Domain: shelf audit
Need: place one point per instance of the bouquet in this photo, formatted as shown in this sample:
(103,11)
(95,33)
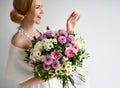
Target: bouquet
(57,54)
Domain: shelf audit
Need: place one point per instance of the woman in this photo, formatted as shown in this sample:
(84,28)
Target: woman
(27,13)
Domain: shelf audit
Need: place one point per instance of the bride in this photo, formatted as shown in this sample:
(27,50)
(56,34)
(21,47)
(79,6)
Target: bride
(26,13)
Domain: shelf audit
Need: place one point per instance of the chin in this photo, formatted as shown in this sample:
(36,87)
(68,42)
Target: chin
(38,22)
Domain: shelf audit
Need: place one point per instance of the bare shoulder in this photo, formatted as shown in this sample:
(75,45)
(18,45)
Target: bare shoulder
(18,40)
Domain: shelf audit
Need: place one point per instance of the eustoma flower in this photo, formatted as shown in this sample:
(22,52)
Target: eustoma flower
(62,32)
(71,38)
(56,64)
(46,67)
(62,39)
(48,60)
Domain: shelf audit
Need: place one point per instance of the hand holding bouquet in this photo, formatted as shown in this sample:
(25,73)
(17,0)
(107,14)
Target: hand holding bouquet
(56,54)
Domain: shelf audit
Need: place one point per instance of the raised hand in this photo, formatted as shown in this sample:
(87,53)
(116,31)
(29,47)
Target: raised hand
(72,21)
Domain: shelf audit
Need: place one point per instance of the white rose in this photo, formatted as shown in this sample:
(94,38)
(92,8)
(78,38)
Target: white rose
(38,46)
(79,43)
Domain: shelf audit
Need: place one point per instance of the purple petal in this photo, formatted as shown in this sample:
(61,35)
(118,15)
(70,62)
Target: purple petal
(46,67)
(62,39)
(56,64)
(48,60)
(63,32)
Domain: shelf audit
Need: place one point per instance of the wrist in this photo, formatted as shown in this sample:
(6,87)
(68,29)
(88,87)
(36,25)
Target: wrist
(71,32)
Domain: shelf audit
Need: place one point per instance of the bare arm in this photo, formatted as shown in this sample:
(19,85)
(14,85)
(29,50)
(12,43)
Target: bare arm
(19,41)
(72,21)
(32,81)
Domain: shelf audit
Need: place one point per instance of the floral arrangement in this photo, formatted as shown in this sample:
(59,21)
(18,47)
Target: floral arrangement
(57,54)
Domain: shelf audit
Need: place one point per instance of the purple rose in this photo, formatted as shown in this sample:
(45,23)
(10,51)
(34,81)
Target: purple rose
(56,64)
(62,32)
(48,60)
(62,39)
(46,67)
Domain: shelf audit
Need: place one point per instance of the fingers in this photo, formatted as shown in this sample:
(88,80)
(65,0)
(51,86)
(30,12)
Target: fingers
(74,16)
(78,18)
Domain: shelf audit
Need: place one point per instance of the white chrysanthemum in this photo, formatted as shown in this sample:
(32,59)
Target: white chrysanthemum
(68,67)
(54,41)
(48,46)
(50,40)
(47,40)
(37,54)
(40,58)
(57,71)
(70,63)
(68,72)
(38,46)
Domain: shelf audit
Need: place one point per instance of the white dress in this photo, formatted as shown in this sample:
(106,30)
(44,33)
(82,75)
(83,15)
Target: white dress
(19,71)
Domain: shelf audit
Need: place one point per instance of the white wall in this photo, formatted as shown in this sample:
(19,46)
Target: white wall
(99,26)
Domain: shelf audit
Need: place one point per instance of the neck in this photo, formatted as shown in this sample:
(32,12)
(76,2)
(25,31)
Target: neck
(27,26)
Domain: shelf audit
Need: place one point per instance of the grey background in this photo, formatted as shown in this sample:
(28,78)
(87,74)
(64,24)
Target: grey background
(99,26)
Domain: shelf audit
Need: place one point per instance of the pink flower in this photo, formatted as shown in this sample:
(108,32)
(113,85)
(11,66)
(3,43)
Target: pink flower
(56,64)
(48,60)
(68,45)
(31,54)
(32,57)
(76,48)
(70,52)
(30,62)
(46,67)
(70,38)
(56,55)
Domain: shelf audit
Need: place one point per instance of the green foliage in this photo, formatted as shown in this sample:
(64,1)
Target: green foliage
(27,55)
(42,74)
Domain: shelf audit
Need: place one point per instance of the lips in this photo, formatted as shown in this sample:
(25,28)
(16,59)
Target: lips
(39,16)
